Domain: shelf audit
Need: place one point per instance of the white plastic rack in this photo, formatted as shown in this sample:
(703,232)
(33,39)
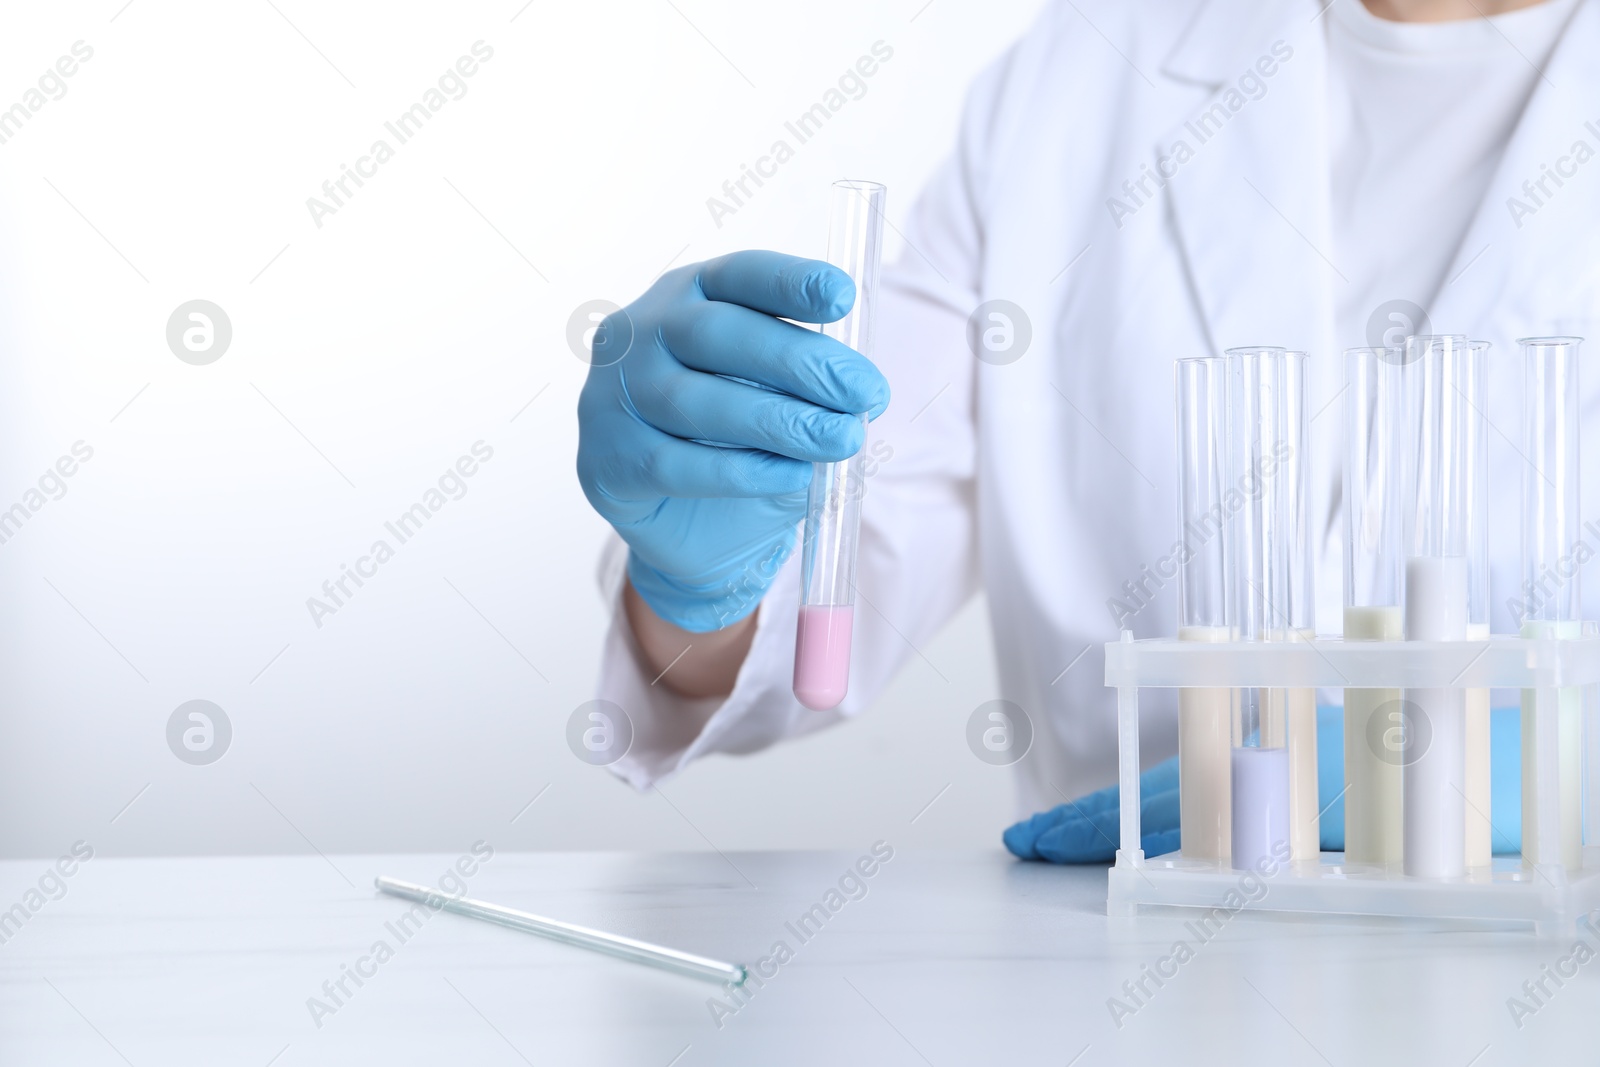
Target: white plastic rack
(1549,896)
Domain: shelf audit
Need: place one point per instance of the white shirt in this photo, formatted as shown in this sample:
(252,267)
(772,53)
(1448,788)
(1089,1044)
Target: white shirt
(1049,481)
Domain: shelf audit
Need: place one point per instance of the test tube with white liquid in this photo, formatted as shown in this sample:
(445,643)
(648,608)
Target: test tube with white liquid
(1433,780)
(1374,470)
(1270,561)
(833,505)
(1205,716)
(1551,815)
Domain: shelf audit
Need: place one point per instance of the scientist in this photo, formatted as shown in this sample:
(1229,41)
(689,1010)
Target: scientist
(1132,183)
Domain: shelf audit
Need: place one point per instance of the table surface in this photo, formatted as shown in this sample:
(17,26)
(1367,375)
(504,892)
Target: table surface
(948,958)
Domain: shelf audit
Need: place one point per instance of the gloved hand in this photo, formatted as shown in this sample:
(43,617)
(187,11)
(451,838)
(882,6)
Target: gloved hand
(1087,830)
(701,417)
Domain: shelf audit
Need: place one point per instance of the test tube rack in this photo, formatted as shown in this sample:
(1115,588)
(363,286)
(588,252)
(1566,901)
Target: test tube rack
(1550,897)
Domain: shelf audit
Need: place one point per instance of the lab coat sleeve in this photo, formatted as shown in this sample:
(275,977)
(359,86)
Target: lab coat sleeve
(918,561)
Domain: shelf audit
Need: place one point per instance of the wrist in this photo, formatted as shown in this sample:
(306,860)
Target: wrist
(693,664)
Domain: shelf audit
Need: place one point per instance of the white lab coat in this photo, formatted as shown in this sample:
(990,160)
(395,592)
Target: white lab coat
(1049,481)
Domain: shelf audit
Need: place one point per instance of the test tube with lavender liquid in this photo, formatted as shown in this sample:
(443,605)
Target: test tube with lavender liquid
(833,506)
(1271,574)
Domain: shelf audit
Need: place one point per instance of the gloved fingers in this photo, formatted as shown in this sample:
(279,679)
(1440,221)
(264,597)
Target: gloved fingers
(1160,778)
(1088,830)
(706,407)
(806,290)
(1160,843)
(1158,812)
(665,466)
(1075,838)
(1079,831)
(1021,837)
(1089,804)
(729,339)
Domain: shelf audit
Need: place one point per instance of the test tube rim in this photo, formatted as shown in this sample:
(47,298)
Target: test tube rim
(1423,343)
(860,185)
(1550,341)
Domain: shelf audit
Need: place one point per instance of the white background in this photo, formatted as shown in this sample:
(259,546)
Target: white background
(368,354)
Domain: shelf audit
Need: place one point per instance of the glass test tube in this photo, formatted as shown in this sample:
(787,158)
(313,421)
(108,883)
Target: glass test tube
(1552,604)
(1205,716)
(1374,469)
(1589,761)
(1479,844)
(1266,445)
(1300,710)
(833,504)
(1433,779)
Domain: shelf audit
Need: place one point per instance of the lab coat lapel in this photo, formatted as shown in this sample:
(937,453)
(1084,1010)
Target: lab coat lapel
(1524,266)
(1250,206)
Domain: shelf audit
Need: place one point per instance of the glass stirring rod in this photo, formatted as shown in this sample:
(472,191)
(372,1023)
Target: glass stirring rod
(627,948)
(833,504)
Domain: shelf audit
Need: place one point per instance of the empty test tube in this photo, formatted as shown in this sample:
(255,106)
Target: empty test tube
(627,948)
(1374,564)
(1204,715)
(833,504)
(1436,600)
(1550,597)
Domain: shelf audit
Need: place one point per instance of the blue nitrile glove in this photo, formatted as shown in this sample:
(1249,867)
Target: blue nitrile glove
(1505,781)
(1087,830)
(701,417)
(1330,777)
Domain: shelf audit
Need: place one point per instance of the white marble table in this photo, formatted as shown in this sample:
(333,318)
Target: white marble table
(949,958)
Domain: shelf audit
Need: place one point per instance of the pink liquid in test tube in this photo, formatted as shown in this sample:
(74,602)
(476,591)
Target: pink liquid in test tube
(822,655)
(833,504)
